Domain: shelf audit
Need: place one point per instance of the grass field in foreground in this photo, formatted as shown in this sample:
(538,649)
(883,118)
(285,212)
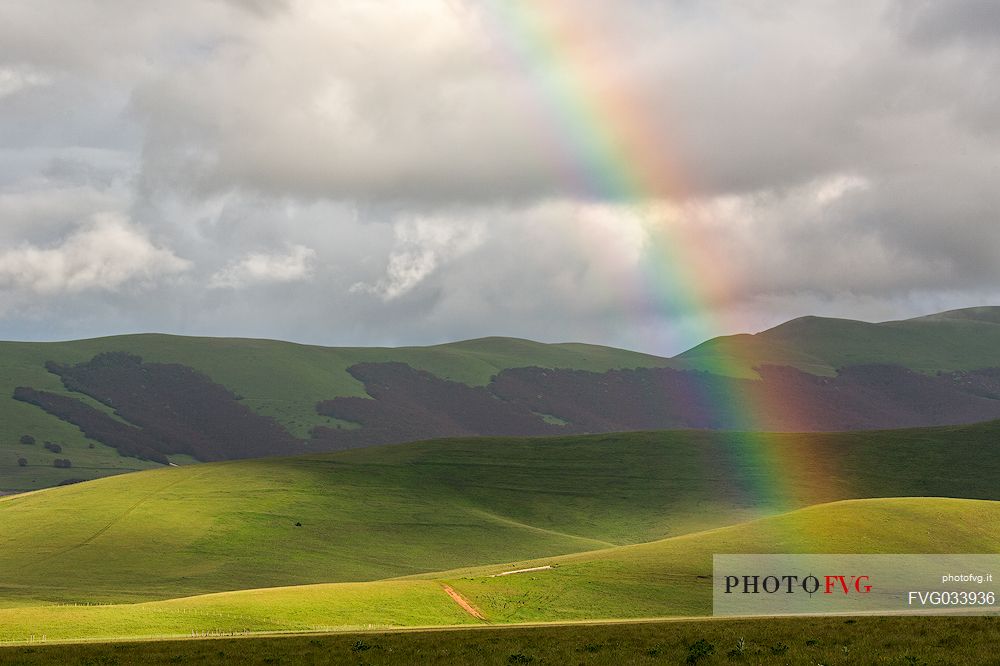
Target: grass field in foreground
(832,641)
(665,578)
(402,510)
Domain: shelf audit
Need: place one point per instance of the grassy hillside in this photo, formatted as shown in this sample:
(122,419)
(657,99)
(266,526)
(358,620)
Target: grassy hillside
(673,576)
(669,577)
(955,340)
(278,379)
(302,608)
(392,511)
(286,381)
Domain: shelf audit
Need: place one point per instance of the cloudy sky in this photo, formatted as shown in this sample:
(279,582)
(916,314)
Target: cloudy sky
(637,173)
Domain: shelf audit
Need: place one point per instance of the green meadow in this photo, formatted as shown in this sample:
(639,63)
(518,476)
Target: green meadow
(617,527)
(659,579)
(673,576)
(304,608)
(376,513)
(836,641)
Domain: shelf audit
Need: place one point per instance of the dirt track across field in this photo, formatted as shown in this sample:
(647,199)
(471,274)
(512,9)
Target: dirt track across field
(463,602)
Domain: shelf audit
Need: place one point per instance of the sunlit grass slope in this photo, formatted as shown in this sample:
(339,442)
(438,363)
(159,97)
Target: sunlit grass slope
(303,608)
(401,510)
(673,576)
(664,578)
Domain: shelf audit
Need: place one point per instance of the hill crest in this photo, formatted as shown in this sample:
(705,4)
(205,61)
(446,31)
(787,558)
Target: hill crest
(838,374)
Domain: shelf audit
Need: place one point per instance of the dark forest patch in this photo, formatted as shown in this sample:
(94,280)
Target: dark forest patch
(128,440)
(408,404)
(170,409)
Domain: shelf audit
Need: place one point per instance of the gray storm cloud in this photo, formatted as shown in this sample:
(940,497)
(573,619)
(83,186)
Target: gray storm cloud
(402,172)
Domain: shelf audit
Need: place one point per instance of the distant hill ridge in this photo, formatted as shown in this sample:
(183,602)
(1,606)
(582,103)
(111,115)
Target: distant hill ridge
(842,374)
(965,339)
(990,314)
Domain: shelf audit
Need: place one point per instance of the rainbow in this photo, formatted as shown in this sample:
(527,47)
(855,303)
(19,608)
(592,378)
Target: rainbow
(611,150)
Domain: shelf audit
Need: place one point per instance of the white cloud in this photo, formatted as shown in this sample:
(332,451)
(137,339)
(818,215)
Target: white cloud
(16,79)
(260,268)
(834,187)
(106,254)
(422,245)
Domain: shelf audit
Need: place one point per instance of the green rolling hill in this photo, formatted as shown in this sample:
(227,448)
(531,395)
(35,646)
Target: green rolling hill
(376,513)
(286,381)
(278,379)
(673,576)
(662,578)
(955,340)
